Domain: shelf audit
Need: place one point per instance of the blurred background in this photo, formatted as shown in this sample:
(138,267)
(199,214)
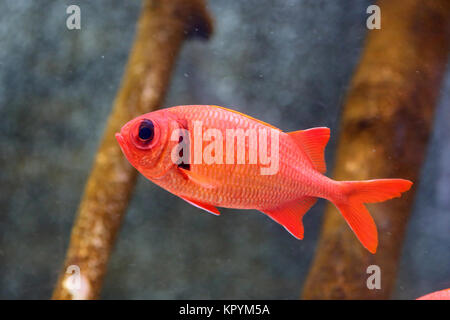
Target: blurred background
(288,63)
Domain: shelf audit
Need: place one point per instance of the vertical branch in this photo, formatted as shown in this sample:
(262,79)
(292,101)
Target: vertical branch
(162,28)
(385,127)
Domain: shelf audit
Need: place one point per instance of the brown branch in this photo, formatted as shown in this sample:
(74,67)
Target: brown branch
(162,28)
(385,127)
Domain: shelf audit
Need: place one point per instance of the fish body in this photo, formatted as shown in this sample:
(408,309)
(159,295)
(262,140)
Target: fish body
(437,295)
(216,157)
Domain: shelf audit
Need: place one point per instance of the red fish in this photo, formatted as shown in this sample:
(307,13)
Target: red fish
(437,295)
(215,157)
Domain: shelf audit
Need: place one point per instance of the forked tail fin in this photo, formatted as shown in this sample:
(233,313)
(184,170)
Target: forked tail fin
(351,205)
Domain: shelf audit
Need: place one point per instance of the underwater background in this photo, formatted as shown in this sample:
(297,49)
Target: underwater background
(288,63)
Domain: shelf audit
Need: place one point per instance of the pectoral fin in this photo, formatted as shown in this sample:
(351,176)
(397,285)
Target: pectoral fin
(198,179)
(207,207)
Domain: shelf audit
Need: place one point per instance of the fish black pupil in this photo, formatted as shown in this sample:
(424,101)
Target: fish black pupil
(145,133)
(146,130)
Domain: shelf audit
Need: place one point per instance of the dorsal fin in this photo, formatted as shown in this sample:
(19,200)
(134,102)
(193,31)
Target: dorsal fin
(313,142)
(247,116)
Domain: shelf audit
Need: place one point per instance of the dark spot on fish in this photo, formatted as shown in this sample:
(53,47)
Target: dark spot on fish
(185,166)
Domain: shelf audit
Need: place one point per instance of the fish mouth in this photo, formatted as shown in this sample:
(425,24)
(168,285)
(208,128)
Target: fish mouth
(121,140)
(124,147)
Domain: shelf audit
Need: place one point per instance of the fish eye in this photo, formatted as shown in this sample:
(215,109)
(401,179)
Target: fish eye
(146,130)
(145,133)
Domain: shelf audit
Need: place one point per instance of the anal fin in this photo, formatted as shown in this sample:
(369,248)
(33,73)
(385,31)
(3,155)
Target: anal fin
(290,215)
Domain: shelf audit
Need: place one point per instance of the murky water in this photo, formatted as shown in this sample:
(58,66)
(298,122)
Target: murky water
(288,64)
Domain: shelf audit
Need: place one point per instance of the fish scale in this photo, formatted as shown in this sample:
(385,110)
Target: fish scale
(285,194)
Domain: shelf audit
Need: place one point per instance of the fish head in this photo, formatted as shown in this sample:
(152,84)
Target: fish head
(146,143)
